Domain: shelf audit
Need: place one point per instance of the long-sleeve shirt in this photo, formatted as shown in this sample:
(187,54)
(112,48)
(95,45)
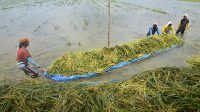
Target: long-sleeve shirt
(152,31)
(184,23)
(166,29)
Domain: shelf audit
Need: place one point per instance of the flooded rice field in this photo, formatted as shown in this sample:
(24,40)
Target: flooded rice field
(60,26)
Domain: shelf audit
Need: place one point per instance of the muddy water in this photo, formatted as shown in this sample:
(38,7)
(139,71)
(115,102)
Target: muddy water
(176,57)
(62,26)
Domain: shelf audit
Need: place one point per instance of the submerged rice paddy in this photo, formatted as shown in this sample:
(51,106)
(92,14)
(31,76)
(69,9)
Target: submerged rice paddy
(80,25)
(74,26)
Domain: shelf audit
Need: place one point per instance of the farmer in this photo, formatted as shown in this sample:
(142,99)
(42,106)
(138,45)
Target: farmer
(168,28)
(183,25)
(24,58)
(154,29)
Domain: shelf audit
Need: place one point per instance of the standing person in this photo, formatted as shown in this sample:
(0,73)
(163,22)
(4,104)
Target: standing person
(24,58)
(183,25)
(154,29)
(168,28)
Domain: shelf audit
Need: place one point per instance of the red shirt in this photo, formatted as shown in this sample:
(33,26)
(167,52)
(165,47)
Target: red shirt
(22,54)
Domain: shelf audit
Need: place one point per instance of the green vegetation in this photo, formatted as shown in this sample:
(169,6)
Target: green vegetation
(7,4)
(164,89)
(98,60)
(191,0)
(159,11)
(195,62)
(146,8)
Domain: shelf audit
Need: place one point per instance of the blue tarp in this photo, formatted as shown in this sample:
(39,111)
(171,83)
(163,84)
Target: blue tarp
(58,77)
(121,64)
(61,78)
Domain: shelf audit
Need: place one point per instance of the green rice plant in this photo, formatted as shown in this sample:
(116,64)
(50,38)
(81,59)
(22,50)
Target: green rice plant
(159,11)
(191,0)
(97,60)
(146,8)
(195,62)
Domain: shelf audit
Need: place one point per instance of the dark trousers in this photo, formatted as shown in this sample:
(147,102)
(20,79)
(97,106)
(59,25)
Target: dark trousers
(182,30)
(29,71)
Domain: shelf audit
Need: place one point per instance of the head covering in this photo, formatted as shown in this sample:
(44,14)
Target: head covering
(24,40)
(169,23)
(185,15)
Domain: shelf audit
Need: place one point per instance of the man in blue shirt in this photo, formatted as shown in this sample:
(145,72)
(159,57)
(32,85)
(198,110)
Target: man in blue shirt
(154,29)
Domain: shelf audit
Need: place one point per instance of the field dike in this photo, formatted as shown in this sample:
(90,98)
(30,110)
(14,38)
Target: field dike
(98,60)
(168,89)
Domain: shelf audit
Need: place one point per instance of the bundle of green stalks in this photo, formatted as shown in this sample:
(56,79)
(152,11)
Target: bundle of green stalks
(98,60)
(195,62)
(164,89)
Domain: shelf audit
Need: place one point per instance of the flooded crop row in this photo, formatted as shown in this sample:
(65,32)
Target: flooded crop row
(56,27)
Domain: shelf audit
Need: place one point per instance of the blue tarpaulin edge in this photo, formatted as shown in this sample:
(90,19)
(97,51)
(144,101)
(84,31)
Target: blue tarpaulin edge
(61,78)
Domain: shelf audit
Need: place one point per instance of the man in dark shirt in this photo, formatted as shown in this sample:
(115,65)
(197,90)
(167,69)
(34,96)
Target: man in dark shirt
(184,24)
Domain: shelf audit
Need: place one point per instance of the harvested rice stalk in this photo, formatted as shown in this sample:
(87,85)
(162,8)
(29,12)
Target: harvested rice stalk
(163,89)
(98,60)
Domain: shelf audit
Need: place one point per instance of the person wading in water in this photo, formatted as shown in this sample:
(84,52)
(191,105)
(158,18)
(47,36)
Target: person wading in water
(183,25)
(24,58)
(154,29)
(168,28)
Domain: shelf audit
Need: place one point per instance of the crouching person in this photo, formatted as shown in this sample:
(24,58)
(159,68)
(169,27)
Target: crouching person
(154,29)
(167,29)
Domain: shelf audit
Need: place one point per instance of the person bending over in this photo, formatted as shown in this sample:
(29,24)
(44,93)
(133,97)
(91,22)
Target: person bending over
(24,58)
(168,28)
(154,29)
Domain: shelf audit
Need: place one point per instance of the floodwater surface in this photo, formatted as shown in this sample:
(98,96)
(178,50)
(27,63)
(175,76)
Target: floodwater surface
(60,26)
